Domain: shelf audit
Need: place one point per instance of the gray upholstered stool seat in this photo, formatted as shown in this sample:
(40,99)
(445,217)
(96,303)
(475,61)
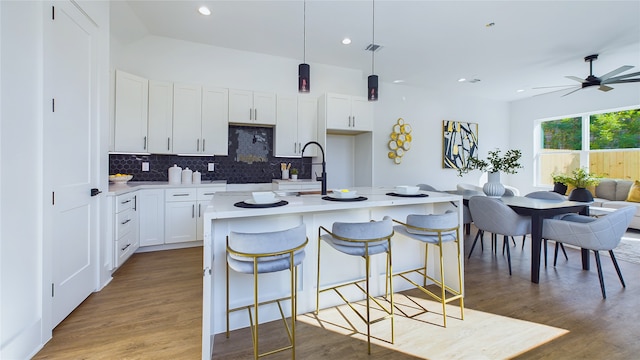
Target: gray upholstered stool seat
(258,253)
(361,239)
(435,229)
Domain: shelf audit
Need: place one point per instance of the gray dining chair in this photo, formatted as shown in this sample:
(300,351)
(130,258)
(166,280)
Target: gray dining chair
(549,195)
(595,234)
(492,215)
(467,220)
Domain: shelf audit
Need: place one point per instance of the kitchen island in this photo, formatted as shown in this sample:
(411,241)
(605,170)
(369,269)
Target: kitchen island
(222,217)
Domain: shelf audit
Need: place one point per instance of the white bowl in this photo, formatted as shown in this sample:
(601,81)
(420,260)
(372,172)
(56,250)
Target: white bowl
(263,197)
(120,179)
(407,190)
(345,194)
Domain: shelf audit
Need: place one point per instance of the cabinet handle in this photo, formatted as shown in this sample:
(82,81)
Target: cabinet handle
(255,112)
(198,145)
(349,121)
(199,210)
(126,201)
(124,222)
(168,143)
(145,143)
(180,194)
(193,211)
(209,193)
(135,203)
(250,114)
(202,145)
(354,121)
(125,248)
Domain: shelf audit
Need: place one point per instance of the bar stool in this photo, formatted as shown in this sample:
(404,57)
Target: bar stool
(434,229)
(362,239)
(258,253)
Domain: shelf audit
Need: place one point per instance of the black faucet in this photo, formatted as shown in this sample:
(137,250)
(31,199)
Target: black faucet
(323,177)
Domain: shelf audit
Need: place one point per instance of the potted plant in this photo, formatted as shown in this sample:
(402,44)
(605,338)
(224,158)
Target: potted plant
(560,182)
(493,165)
(581,179)
(294,174)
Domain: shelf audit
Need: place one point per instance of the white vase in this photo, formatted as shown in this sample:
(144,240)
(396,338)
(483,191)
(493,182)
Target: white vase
(493,188)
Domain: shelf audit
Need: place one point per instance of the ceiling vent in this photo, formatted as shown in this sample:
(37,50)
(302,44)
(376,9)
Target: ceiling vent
(373,47)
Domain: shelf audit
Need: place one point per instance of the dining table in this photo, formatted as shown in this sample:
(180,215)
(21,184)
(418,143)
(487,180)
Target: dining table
(538,210)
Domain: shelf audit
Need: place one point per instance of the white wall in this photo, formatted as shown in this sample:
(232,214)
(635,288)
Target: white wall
(524,113)
(21,25)
(425,111)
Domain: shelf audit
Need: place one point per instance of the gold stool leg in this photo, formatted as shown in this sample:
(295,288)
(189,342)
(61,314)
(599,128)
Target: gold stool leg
(391,288)
(255,302)
(227,271)
(366,257)
(460,278)
(294,278)
(442,286)
(318,277)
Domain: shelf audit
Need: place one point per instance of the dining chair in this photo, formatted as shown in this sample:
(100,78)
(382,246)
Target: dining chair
(595,234)
(268,252)
(361,239)
(549,195)
(492,215)
(437,230)
(467,220)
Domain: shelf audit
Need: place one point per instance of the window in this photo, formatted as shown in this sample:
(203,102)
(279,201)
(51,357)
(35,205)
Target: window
(607,144)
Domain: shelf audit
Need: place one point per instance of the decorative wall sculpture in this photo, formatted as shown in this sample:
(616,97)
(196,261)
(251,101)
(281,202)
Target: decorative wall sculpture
(460,142)
(400,141)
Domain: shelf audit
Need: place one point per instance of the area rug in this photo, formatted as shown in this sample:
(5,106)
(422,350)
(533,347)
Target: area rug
(628,250)
(420,334)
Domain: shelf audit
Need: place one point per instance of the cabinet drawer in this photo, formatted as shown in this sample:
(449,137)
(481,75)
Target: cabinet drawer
(126,201)
(172,195)
(125,222)
(125,247)
(207,193)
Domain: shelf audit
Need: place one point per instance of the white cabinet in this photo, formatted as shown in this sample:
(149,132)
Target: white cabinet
(160,122)
(187,115)
(215,121)
(184,208)
(125,227)
(130,120)
(252,107)
(345,112)
(296,124)
(150,204)
(180,215)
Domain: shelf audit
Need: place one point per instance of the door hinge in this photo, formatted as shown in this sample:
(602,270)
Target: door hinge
(53,13)
(207,270)
(53,198)
(52,289)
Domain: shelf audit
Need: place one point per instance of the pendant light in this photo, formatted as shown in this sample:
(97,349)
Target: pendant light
(372,80)
(303,69)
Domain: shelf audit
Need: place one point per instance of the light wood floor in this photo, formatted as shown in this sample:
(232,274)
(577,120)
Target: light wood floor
(152,310)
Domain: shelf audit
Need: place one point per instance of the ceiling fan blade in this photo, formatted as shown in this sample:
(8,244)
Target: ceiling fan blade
(576,79)
(610,80)
(555,86)
(615,72)
(624,81)
(605,88)
(571,92)
(555,91)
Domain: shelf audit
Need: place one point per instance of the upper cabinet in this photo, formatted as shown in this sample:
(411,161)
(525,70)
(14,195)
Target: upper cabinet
(296,123)
(187,118)
(215,121)
(346,113)
(131,100)
(160,117)
(252,107)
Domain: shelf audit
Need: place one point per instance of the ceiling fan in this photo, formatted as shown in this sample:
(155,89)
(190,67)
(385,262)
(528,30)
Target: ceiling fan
(601,82)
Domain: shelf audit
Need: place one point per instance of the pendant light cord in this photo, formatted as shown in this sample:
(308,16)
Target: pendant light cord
(373,32)
(304,32)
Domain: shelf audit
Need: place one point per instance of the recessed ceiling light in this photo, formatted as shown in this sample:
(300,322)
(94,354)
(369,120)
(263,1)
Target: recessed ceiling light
(462,80)
(491,24)
(520,90)
(346,41)
(204,10)
(398,81)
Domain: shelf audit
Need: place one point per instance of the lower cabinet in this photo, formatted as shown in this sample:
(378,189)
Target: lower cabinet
(125,227)
(151,216)
(180,215)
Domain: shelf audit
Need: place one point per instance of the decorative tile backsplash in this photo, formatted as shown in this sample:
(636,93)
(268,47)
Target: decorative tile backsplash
(250,160)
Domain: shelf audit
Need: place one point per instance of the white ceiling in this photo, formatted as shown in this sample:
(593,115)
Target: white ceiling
(428,44)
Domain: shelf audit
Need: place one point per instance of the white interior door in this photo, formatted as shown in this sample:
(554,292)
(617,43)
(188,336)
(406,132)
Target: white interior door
(69,148)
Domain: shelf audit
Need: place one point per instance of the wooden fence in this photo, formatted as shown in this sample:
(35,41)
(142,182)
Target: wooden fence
(618,164)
